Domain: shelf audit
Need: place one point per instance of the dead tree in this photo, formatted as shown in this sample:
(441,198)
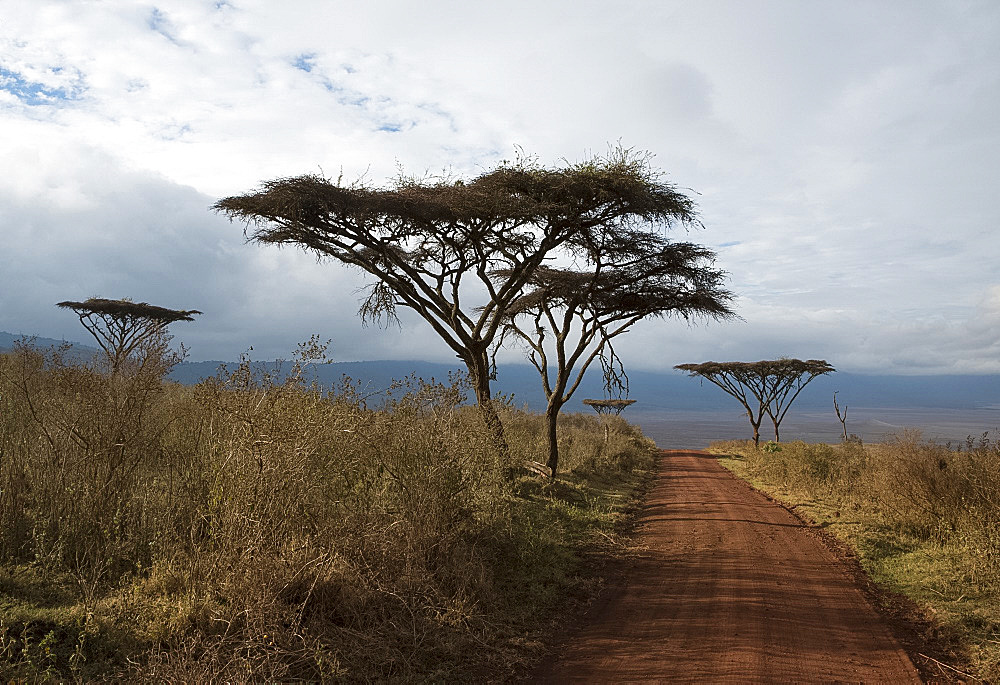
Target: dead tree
(763,388)
(127,330)
(435,245)
(569,317)
(842,418)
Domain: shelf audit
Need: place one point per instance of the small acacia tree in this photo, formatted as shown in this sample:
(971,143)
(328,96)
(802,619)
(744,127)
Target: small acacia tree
(125,329)
(766,387)
(435,245)
(569,317)
(606,408)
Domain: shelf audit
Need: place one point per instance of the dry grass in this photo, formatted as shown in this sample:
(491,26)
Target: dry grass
(924,518)
(257,528)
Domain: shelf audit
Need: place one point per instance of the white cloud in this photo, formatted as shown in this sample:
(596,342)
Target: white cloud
(844,156)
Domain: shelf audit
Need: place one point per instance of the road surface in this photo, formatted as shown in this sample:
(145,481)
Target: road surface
(728,587)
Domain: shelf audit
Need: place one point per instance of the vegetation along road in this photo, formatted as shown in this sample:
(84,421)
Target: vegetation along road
(728,586)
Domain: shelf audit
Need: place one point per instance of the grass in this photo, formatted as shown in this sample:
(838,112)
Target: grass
(923,519)
(257,527)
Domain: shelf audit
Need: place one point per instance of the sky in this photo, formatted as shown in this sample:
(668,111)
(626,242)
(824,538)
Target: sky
(844,157)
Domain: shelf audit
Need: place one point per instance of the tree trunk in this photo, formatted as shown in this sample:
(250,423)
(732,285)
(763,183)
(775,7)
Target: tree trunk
(552,437)
(479,375)
(776,438)
(756,427)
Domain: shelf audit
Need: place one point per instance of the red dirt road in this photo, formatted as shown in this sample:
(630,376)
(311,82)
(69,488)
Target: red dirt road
(729,587)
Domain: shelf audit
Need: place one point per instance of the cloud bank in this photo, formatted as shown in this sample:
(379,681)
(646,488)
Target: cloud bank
(844,158)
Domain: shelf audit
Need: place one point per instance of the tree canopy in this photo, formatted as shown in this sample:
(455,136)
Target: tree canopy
(766,387)
(609,406)
(435,245)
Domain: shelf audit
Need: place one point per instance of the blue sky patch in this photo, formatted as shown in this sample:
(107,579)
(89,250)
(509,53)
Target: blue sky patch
(159,23)
(306,61)
(34,93)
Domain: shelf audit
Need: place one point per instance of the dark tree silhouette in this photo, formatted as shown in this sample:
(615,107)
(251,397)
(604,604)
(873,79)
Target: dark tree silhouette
(434,245)
(606,408)
(763,388)
(787,378)
(124,328)
(569,317)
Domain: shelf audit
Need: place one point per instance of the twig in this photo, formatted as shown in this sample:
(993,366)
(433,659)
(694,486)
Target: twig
(610,539)
(941,663)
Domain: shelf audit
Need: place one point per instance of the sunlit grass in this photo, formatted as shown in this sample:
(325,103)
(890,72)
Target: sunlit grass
(258,528)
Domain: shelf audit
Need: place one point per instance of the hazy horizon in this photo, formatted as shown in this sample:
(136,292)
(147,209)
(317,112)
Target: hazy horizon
(696,429)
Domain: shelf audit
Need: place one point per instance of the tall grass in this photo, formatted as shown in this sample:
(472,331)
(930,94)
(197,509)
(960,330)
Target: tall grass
(258,527)
(925,518)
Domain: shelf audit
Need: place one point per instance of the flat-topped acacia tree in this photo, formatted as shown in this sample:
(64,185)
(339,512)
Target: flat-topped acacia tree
(569,317)
(124,328)
(434,245)
(605,408)
(766,387)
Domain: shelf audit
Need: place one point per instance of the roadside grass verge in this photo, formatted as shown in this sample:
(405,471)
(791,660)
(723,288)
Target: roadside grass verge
(924,520)
(259,528)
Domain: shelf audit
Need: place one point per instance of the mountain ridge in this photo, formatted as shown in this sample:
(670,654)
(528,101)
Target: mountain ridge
(655,391)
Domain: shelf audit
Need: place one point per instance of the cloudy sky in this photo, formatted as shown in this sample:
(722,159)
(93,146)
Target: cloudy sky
(844,156)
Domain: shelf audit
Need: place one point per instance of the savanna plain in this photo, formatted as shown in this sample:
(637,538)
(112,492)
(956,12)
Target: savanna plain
(256,526)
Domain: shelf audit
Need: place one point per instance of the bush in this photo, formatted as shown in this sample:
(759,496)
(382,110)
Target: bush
(258,527)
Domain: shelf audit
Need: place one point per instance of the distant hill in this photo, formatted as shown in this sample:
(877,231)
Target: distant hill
(7,341)
(78,351)
(655,391)
(672,391)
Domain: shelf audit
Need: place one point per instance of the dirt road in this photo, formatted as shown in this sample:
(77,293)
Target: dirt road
(729,588)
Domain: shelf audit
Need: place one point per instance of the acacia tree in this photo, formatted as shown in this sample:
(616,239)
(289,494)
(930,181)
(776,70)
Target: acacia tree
(569,317)
(787,378)
(434,245)
(766,387)
(605,408)
(124,328)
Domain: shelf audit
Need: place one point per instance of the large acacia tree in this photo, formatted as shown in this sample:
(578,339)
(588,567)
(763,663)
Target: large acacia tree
(766,387)
(434,245)
(569,317)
